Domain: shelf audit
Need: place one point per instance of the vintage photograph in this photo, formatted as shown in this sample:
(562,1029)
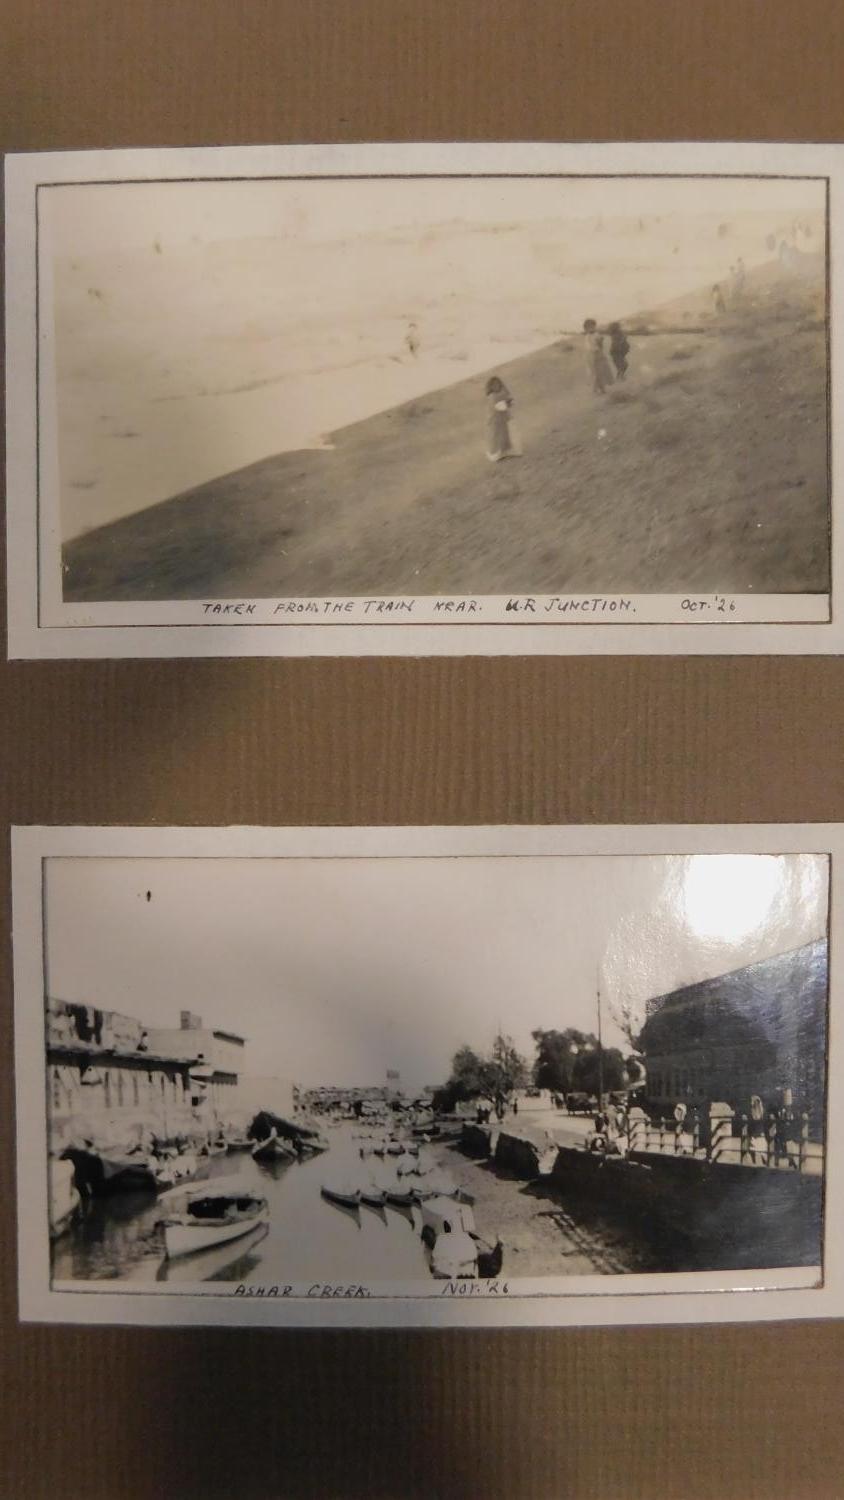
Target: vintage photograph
(440,387)
(548,398)
(383,1073)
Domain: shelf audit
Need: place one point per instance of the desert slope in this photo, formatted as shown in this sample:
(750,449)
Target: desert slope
(705,470)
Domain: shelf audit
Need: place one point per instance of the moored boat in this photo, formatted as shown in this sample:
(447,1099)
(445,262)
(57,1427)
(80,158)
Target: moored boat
(105,1170)
(274,1149)
(211,1213)
(400,1193)
(373,1194)
(454,1256)
(344,1193)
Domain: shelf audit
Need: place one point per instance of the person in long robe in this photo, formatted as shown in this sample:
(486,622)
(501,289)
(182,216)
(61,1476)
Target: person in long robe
(596,360)
(502,440)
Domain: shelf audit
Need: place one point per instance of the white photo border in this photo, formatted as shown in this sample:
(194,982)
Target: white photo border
(42,625)
(739,1296)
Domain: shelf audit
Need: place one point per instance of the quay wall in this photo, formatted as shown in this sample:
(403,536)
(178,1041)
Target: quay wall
(725,1213)
(519,1155)
(476,1140)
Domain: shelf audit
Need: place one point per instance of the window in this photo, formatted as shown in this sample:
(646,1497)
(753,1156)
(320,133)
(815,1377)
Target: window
(135,1090)
(119,1089)
(57,1090)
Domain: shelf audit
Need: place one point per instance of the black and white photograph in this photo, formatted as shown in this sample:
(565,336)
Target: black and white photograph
(391,400)
(413,1077)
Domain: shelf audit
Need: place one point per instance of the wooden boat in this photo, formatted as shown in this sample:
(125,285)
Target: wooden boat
(101,1171)
(239,1143)
(311,1145)
(207,1264)
(454,1256)
(274,1149)
(442,1215)
(211,1213)
(446,1224)
(178,1168)
(373,1195)
(401,1193)
(343,1193)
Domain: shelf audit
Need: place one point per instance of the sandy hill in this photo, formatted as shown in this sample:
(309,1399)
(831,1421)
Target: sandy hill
(707,470)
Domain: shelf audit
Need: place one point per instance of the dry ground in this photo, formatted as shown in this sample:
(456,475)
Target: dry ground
(541,1236)
(706,470)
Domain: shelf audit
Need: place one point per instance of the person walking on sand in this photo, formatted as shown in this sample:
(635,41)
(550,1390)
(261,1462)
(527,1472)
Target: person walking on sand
(719,307)
(619,349)
(411,340)
(501,438)
(596,360)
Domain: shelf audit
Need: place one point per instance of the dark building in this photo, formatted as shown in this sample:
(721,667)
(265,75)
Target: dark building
(758,1030)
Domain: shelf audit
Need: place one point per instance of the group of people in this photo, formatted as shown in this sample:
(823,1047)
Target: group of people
(597,364)
(503,439)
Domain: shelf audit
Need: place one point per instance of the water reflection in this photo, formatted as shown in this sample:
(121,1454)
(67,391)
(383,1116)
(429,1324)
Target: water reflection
(309,1237)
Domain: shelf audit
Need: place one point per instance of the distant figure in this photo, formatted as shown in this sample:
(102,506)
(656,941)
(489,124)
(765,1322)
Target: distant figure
(502,440)
(738,274)
(596,361)
(719,306)
(411,340)
(619,349)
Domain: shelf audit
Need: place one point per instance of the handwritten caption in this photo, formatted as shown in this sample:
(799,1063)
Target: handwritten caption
(420,610)
(328,1290)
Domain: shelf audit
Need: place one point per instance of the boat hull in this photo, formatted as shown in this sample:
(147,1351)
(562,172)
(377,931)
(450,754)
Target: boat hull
(185,1239)
(273,1150)
(347,1199)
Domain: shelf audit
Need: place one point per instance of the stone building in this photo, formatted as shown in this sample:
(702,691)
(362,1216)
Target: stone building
(756,1031)
(216,1059)
(106,1079)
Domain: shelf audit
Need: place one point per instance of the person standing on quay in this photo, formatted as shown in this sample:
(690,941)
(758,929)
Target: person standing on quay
(596,360)
(502,439)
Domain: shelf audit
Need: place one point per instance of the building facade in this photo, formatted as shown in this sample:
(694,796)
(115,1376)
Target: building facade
(216,1058)
(760,1030)
(106,1081)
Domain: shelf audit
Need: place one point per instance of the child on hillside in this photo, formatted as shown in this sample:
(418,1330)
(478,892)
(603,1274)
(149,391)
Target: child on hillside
(596,360)
(502,437)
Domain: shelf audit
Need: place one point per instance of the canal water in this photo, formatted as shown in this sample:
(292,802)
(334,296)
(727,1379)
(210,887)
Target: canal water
(309,1239)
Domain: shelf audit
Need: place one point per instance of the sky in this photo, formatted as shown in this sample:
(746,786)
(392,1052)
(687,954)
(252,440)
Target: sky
(337,969)
(97,218)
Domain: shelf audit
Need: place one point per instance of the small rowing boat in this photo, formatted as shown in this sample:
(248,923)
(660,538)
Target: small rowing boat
(274,1149)
(343,1193)
(210,1214)
(372,1194)
(401,1193)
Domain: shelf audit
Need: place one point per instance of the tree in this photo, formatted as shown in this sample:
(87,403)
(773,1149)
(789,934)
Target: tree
(556,1054)
(494,1077)
(467,1073)
(589,1066)
(509,1068)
